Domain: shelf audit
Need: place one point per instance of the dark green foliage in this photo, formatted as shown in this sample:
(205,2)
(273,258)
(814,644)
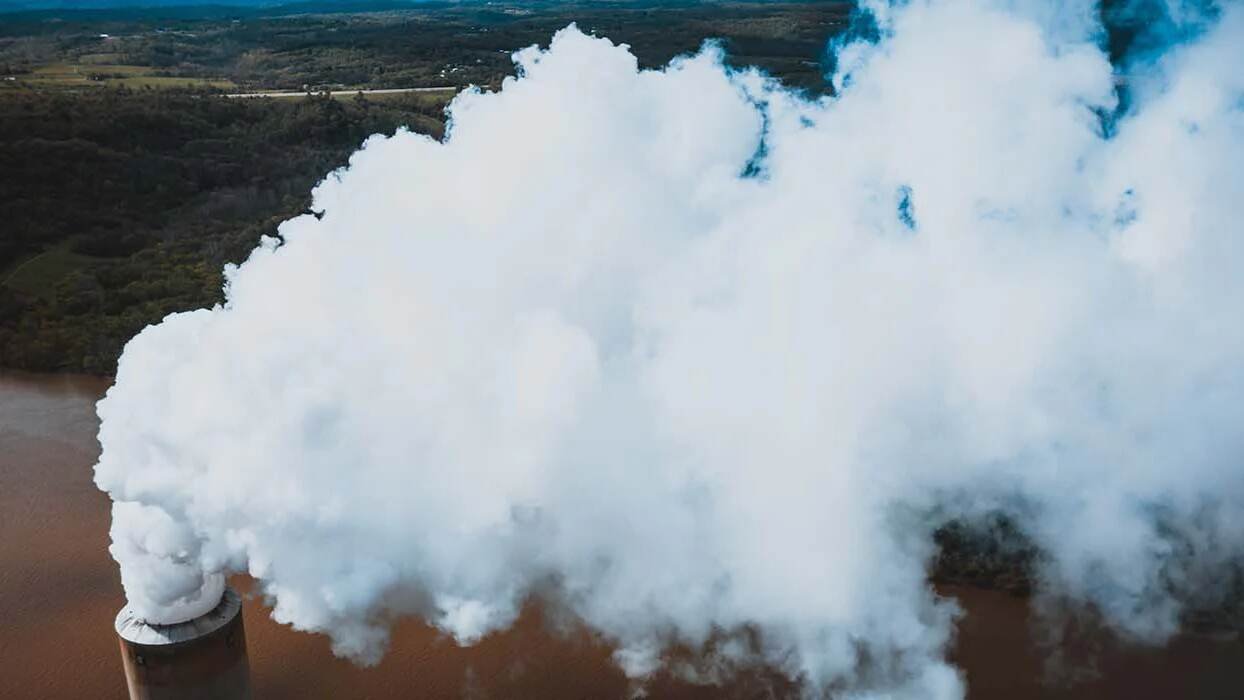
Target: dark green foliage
(119,206)
(134,201)
(419,44)
(991,552)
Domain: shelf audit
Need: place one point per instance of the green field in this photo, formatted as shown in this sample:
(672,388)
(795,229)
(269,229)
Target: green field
(38,275)
(91,74)
(159,81)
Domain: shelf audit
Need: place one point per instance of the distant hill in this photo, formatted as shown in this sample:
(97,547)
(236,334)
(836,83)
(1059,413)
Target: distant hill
(21,5)
(210,7)
(214,8)
(33,5)
(186,9)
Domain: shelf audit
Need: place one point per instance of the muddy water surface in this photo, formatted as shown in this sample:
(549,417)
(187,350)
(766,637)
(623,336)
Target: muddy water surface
(59,592)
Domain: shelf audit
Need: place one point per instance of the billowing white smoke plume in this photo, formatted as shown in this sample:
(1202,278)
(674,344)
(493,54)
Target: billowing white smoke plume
(684,352)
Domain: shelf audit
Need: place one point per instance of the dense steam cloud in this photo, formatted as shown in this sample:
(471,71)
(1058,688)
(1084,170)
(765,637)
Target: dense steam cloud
(682,352)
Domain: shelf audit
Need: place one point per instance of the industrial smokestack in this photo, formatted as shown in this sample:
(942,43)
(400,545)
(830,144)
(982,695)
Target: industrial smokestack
(199,659)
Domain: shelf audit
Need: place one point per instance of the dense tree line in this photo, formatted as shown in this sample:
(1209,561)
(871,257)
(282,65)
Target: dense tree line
(148,194)
(140,197)
(419,44)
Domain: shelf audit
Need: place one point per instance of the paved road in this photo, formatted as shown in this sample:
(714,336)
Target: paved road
(301,93)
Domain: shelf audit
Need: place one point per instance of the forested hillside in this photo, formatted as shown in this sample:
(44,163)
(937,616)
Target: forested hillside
(127,180)
(122,206)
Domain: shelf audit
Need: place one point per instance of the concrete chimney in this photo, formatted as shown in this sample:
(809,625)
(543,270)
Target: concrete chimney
(199,659)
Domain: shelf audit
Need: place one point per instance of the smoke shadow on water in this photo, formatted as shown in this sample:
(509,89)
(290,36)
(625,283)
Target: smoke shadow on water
(526,660)
(1002,647)
(523,661)
(59,591)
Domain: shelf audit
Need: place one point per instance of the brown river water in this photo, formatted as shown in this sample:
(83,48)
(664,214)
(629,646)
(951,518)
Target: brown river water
(59,592)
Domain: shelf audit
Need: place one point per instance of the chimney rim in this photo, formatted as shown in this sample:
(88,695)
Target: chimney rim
(136,630)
